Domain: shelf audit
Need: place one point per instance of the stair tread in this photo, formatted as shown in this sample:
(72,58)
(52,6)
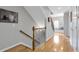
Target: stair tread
(19,48)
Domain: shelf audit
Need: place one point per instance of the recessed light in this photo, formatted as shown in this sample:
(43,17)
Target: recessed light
(59,8)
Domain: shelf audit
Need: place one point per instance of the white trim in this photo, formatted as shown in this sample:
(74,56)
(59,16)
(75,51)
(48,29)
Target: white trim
(26,45)
(14,46)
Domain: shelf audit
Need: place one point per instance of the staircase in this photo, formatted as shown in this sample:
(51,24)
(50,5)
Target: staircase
(49,46)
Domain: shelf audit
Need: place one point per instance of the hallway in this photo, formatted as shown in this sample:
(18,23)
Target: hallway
(63,44)
(39,28)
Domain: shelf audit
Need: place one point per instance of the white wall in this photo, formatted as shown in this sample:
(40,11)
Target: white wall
(37,14)
(66,23)
(9,32)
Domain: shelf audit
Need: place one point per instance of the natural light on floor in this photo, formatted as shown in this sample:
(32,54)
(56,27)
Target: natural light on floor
(56,39)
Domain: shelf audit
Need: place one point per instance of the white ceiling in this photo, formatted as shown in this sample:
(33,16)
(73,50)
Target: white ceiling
(61,9)
(40,13)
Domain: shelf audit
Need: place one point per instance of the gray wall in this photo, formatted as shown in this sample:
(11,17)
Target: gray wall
(49,31)
(9,32)
(37,14)
(66,23)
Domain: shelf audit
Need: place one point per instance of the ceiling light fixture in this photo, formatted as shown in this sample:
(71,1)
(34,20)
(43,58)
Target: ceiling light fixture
(59,8)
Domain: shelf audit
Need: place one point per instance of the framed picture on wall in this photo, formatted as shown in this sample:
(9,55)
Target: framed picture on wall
(7,16)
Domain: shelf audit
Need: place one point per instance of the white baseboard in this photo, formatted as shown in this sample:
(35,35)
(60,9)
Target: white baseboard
(14,46)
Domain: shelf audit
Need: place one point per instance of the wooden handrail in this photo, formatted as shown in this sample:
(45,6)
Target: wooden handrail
(33,41)
(28,36)
(40,28)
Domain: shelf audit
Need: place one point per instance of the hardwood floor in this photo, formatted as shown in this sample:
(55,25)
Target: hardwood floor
(49,46)
(62,46)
